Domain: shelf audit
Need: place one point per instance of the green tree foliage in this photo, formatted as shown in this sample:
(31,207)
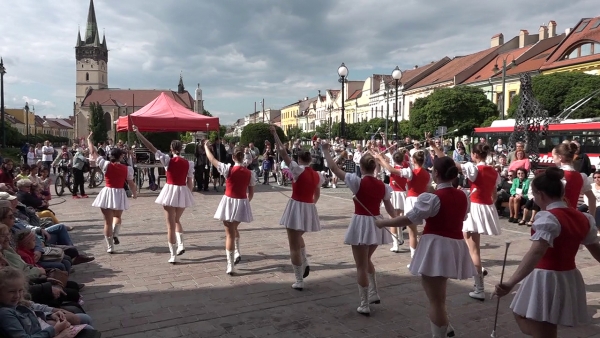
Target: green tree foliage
(558,91)
(97,123)
(257,133)
(207,113)
(294,132)
(462,108)
(190,148)
(212,136)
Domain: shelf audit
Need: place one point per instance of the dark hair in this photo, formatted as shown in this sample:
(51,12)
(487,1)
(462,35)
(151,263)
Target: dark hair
(566,150)
(115,155)
(550,182)
(367,162)
(597,172)
(25,167)
(305,156)
(481,150)
(176,146)
(419,157)
(238,153)
(399,156)
(523,170)
(446,168)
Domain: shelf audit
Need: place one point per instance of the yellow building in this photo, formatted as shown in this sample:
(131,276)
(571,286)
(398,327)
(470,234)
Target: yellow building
(27,119)
(289,116)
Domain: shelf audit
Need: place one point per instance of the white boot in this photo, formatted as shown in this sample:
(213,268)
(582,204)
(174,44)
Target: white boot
(305,265)
(230,262)
(363,309)
(109,244)
(173,250)
(450,331)
(299,285)
(180,247)
(479,292)
(373,295)
(394,247)
(438,331)
(116,230)
(412,254)
(236,254)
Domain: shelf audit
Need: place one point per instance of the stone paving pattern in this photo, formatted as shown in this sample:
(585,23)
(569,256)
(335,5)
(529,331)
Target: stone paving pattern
(136,293)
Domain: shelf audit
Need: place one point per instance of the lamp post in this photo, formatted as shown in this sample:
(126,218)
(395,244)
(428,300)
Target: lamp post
(396,75)
(2,72)
(262,104)
(343,73)
(26,108)
(504,68)
(329,109)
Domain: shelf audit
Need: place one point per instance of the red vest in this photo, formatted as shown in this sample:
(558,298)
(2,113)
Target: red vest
(370,194)
(397,182)
(303,189)
(485,183)
(419,183)
(574,227)
(116,175)
(573,187)
(449,220)
(238,182)
(177,171)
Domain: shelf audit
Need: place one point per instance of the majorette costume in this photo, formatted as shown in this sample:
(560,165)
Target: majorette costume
(398,185)
(555,292)
(483,216)
(418,181)
(369,191)
(576,183)
(176,192)
(234,206)
(442,251)
(113,195)
(300,212)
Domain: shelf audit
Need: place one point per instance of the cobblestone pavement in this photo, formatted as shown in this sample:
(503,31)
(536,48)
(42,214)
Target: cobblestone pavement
(136,293)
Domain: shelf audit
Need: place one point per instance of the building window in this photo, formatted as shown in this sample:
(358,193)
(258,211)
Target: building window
(87,76)
(582,50)
(511,95)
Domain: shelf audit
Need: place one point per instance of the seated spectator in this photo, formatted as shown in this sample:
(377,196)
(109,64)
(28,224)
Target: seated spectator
(29,199)
(24,173)
(45,182)
(7,176)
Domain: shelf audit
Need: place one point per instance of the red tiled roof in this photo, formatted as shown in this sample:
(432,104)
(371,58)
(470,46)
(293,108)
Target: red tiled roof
(452,68)
(591,33)
(410,74)
(61,123)
(357,93)
(487,71)
(131,97)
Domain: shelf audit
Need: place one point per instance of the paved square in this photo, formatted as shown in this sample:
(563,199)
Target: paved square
(136,293)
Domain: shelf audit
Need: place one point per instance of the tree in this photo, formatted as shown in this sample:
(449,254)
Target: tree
(258,133)
(207,113)
(558,91)
(212,136)
(462,108)
(97,123)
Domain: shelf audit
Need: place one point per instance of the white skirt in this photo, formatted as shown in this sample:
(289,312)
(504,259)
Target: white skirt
(300,216)
(112,198)
(178,196)
(398,199)
(234,210)
(482,219)
(438,256)
(556,297)
(362,231)
(409,203)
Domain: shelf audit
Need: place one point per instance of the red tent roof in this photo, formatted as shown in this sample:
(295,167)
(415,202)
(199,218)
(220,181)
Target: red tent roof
(165,114)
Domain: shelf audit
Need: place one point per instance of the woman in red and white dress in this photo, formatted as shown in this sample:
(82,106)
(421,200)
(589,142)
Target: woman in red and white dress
(442,252)
(112,199)
(176,194)
(576,183)
(552,291)
(483,216)
(362,234)
(300,213)
(234,207)
(398,184)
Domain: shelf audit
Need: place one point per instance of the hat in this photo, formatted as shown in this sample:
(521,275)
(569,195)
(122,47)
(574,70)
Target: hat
(24,235)
(4,196)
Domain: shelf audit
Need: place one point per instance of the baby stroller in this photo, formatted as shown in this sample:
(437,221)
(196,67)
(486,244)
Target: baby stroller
(284,174)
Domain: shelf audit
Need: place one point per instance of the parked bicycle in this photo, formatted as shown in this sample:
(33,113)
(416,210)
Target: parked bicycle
(63,181)
(96,174)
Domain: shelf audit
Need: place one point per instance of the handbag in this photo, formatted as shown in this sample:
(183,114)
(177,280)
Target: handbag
(59,275)
(53,254)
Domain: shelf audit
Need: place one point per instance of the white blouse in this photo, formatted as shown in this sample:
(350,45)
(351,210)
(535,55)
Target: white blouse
(165,159)
(224,169)
(547,227)
(428,205)
(353,183)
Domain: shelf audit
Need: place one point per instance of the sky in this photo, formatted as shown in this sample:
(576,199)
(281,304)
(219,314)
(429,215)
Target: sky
(242,51)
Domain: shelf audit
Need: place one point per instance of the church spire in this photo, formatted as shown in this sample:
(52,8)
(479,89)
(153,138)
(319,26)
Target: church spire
(78,38)
(104,39)
(91,32)
(180,87)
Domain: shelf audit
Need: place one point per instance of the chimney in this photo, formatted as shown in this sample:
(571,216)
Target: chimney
(567,31)
(523,34)
(551,29)
(543,33)
(497,40)
(416,66)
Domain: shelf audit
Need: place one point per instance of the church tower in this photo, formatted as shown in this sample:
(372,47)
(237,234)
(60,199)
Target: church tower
(92,59)
(199,104)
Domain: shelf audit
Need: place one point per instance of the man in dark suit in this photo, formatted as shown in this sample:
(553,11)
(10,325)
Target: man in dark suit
(220,153)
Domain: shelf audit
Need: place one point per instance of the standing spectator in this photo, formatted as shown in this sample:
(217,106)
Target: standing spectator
(201,171)
(47,153)
(31,157)
(356,158)
(317,157)
(79,161)
(38,152)
(24,151)
(220,153)
(268,161)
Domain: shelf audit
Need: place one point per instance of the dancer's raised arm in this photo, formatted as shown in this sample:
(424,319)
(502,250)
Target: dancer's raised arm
(144,140)
(331,163)
(280,148)
(93,152)
(210,156)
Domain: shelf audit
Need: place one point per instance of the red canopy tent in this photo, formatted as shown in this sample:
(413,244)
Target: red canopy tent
(165,114)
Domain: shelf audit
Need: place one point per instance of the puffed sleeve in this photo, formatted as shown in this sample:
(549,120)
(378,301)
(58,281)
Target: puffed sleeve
(546,227)
(353,182)
(296,170)
(162,158)
(586,184)
(102,164)
(191,170)
(223,169)
(592,236)
(129,173)
(406,173)
(426,206)
(252,178)
(470,170)
(388,193)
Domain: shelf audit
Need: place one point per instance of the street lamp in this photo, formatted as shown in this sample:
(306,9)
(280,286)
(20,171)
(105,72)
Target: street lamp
(2,72)
(27,120)
(504,68)
(396,75)
(343,73)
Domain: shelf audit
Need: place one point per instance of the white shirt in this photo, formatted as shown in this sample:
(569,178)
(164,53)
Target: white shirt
(47,153)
